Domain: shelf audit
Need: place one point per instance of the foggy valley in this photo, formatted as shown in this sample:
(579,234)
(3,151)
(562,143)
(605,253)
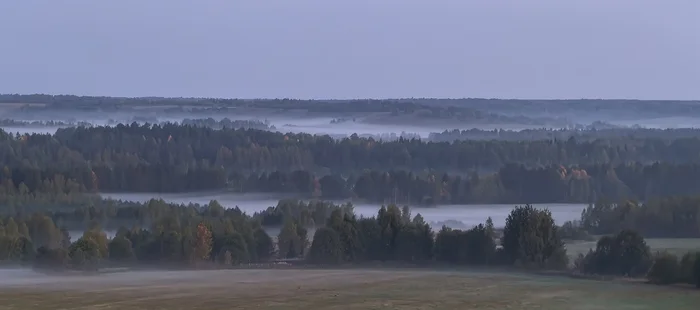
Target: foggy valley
(138,194)
(394,154)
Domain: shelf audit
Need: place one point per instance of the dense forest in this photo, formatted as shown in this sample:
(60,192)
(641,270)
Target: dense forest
(40,208)
(640,183)
(180,158)
(255,150)
(214,106)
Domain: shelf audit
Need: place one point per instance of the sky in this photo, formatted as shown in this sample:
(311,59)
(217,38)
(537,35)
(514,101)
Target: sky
(322,49)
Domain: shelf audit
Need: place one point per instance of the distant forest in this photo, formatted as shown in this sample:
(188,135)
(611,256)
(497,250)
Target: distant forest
(181,158)
(640,183)
(657,107)
(475,111)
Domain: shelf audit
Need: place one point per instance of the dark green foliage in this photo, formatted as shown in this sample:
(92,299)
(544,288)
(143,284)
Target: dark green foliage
(333,186)
(235,245)
(347,229)
(264,247)
(415,241)
(531,238)
(370,235)
(176,158)
(170,239)
(326,247)
(289,242)
(696,270)
(22,249)
(573,231)
(625,254)
(391,236)
(475,246)
(672,217)
(665,269)
(121,249)
(686,267)
(55,259)
(85,254)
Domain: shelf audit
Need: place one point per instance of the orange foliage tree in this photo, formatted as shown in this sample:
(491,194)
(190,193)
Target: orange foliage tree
(203,243)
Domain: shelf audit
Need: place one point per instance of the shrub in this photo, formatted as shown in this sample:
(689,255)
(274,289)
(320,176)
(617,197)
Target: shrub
(686,268)
(664,270)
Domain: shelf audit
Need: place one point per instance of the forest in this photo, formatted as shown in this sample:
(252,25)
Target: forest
(185,158)
(165,235)
(637,187)
(657,108)
(209,106)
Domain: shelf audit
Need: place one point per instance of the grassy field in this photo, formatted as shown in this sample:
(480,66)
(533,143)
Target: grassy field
(331,289)
(675,246)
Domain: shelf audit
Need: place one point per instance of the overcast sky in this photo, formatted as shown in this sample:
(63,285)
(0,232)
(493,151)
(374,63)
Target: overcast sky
(352,48)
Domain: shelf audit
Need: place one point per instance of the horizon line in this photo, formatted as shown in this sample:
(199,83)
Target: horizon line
(346,99)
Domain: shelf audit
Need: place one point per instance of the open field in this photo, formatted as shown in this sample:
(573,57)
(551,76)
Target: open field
(330,289)
(674,246)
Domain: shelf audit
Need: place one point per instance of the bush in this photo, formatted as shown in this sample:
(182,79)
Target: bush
(664,270)
(696,270)
(625,254)
(686,268)
(55,259)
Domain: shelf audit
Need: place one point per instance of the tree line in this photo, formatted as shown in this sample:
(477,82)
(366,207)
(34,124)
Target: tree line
(185,236)
(185,148)
(512,183)
(176,158)
(669,217)
(532,108)
(209,106)
(626,253)
(592,132)
(530,239)
(156,232)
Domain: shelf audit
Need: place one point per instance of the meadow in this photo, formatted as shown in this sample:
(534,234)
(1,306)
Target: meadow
(334,289)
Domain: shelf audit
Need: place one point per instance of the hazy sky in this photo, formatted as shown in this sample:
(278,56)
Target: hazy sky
(353,48)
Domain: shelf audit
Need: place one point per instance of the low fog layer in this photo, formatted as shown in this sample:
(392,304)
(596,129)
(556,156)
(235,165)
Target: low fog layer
(27,278)
(368,125)
(316,125)
(456,216)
